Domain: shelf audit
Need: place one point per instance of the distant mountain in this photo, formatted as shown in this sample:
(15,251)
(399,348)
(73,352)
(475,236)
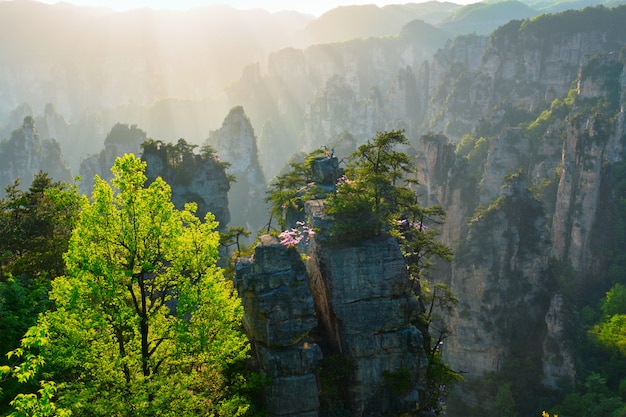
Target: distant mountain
(24,154)
(483,18)
(556,6)
(368,20)
(78,58)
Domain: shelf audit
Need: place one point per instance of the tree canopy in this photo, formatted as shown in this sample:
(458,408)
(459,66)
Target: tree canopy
(144,322)
(35,228)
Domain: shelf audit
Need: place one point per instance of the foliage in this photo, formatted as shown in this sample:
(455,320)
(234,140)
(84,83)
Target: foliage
(375,197)
(474,149)
(29,364)
(144,323)
(289,190)
(371,198)
(182,159)
(569,22)
(35,228)
(594,399)
(123,134)
(440,377)
(232,237)
(335,371)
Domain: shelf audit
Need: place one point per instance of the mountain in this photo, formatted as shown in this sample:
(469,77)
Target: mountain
(364,21)
(518,134)
(483,18)
(24,154)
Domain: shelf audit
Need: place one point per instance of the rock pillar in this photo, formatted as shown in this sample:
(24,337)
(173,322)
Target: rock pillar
(278,317)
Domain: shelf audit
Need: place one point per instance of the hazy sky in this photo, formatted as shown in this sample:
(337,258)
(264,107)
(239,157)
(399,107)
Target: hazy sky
(316,7)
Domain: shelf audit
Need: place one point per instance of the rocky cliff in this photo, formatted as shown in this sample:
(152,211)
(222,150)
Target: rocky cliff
(365,310)
(525,64)
(313,95)
(236,145)
(198,178)
(279,318)
(24,154)
(121,139)
(543,110)
(193,177)
(340,320)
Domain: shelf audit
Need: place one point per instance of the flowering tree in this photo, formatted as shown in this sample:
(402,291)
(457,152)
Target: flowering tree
(296,235)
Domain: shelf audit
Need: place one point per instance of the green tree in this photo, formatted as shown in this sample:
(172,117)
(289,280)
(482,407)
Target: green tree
(27,367)
(144,323)
(375,190)
(289,190)
(35,228)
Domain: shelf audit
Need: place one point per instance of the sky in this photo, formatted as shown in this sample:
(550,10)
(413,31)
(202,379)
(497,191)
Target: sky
(315,7)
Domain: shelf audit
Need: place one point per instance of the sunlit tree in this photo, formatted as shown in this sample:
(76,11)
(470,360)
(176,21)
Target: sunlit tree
(144,323)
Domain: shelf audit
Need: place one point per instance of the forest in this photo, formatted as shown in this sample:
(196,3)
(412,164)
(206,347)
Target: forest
(424,215)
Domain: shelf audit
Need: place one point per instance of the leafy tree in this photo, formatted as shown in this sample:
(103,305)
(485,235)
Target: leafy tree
(29,366)
(288,190)
(35,228)
(144,323)
(233,236)
(437,302)
(371,197)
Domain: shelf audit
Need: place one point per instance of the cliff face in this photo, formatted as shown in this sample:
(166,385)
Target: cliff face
(25,154)
(527,64)
(193,178)
(535,201)
(198,178)
(122,139)
(236,144)
(311,96)
(361,299)
(365,309)
(279,318)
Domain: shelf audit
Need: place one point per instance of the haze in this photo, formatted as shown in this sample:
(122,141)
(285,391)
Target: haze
(317,8)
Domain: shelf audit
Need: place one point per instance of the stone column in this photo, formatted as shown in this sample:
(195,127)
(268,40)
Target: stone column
(278,317)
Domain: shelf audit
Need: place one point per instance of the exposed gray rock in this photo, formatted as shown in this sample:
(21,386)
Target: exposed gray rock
(122,139)
(24,154)
(361,297)
(200,179)
(365,310)
(279,317)
(236,144)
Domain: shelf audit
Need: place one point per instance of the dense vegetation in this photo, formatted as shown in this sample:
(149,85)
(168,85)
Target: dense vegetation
(141,322)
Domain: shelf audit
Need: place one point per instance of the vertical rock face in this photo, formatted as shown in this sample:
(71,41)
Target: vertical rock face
(192,177)
(497,273)
(25,154)
(527,64)
(236,144)
(122,139)
(199,178)
(356,301)
(365,309)
(279,318)
(539,196)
